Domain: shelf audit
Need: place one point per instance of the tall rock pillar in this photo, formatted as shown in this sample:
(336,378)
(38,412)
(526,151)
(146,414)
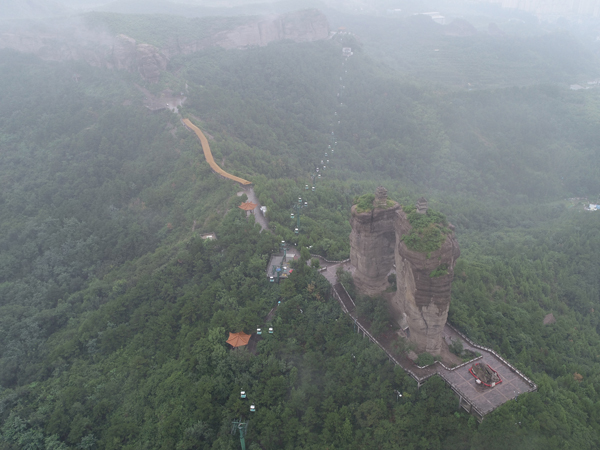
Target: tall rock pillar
(424,281)
(372,244)
(423,278)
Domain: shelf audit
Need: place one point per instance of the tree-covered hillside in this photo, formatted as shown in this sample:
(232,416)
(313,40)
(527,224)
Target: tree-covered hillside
(114,312)
(528,143)
(515,147)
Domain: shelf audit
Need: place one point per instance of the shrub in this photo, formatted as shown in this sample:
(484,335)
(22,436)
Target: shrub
(440,271)
(364,203)
(425,359)
(428,231)
(457,347)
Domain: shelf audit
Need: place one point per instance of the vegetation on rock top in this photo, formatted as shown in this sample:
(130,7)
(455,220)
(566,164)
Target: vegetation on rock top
(365,203)
(428,232)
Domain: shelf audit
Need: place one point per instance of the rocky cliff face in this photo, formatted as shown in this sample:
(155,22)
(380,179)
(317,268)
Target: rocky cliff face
(302,26)
(421,300)
(372,245)
(125,53)
(424,299)
(98,50)
(145,59)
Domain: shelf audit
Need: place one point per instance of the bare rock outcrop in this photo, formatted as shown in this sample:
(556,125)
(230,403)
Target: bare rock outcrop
(147,60)
(423,280)
(549,319)
(301,26)
(74,42)
(120,52)
(372,246)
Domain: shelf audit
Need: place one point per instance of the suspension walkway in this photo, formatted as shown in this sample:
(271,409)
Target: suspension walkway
(209,157)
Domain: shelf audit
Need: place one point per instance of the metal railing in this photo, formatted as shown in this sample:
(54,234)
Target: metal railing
(420,379)
(489,350)
(330,262)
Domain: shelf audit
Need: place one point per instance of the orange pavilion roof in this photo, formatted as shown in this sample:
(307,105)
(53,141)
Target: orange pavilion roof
(238,339)
(248,206)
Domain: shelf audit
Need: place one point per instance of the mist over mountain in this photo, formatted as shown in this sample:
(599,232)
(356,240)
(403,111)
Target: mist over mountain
(33,9)
(588,8)
(129,255)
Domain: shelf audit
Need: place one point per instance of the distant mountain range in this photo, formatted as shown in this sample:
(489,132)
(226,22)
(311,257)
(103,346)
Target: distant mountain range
(39,9)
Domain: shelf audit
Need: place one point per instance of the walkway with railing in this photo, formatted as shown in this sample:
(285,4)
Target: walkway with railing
(476,399)
(209,157)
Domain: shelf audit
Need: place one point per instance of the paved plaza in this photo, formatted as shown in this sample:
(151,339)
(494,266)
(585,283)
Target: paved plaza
(484,399)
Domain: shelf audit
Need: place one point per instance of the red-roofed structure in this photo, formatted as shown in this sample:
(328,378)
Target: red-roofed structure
(248,206)
(238,339)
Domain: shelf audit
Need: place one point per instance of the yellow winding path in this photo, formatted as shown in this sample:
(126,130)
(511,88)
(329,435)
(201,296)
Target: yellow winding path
(209,157)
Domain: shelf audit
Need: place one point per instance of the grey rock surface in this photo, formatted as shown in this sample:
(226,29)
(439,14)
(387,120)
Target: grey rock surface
(121,52)
(424,299)
(421,301)
(372,246)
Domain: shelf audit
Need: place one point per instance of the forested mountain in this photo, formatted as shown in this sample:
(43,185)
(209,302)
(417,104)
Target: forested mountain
(114,312)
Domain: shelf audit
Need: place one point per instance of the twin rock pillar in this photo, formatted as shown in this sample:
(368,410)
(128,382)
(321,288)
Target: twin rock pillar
(421,302)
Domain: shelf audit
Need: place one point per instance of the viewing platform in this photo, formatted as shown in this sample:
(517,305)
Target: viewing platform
(476,399)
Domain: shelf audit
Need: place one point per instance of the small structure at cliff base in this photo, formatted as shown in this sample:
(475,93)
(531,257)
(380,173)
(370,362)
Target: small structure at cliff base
(419,244)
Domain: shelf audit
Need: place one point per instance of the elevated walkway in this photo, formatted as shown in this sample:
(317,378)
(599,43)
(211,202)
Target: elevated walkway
(475,399)
(209,157)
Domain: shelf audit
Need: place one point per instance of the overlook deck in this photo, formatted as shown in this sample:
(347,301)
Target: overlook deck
(476,399)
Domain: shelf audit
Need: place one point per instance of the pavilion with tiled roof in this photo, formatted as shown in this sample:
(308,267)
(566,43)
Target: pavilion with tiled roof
(238,339)
(248,206)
